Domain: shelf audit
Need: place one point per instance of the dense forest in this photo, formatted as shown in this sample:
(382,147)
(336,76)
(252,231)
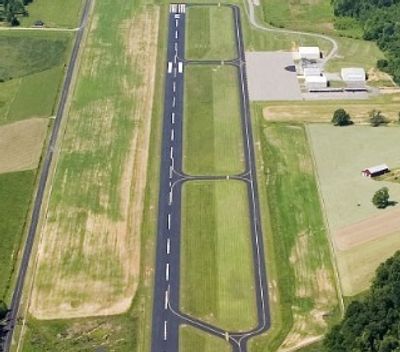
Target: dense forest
(372,324)
(10,10)
(381,23)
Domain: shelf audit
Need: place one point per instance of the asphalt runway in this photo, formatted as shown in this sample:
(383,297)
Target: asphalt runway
(167,316)
(6,332)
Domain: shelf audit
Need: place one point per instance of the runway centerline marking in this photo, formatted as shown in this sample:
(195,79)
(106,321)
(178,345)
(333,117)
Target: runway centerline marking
(167,272)
(169,221)
(166,300)
(168,245)
(172,135)
(165,330)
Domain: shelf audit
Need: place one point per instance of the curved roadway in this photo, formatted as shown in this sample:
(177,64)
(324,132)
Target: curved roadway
(254,22)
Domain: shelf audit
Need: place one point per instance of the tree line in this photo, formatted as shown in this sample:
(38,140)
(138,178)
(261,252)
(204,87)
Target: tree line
(10,10)
(380,21)
(372,324)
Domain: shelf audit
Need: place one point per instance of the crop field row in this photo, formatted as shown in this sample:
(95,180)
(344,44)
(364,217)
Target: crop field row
(90,244)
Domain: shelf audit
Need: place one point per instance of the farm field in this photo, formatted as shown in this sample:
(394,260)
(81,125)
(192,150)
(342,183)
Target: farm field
(29,87)
(31,70)
(90,243)
(83,335)
(21,144)
(193,340)
(16,189)
(322,111)
(215,232)
(210,33)
(54,13)
(301,277)
(340,156)
(209,118)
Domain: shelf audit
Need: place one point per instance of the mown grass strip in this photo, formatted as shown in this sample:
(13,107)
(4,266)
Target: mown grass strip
(210,33)
(215,237)
(194,340)
(213,142)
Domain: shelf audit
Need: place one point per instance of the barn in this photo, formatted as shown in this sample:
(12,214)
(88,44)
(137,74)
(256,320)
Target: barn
(309,53)
(375,170)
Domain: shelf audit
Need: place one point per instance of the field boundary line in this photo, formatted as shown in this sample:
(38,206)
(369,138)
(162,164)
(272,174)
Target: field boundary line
(326,221)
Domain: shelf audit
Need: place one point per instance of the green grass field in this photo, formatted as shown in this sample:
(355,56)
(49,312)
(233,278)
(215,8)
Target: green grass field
(24,53)
(193,340)
(355,52)
(54,13)
(83,335)
(301,278)
(358,265)
(32,69)
(16,191)
(215,234)
(210,33)
(341,154)
(213,142)
(305,15)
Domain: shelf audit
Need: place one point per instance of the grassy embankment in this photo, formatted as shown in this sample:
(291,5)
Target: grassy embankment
(54,13)
(302,286)
(31,70)
(111,104)
(215,232)
(213,142)
(193,340)
(210,33)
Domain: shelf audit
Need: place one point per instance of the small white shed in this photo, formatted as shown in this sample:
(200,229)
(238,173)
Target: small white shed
(353,74)
(316,82)
(311,71)
(309,52)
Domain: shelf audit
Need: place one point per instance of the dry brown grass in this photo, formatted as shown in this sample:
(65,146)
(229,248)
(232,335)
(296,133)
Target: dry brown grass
(93,269)
(21,144)
(323,111)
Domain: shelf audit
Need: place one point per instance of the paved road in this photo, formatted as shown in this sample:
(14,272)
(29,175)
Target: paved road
(166,313)
(254,22)
(7,331)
